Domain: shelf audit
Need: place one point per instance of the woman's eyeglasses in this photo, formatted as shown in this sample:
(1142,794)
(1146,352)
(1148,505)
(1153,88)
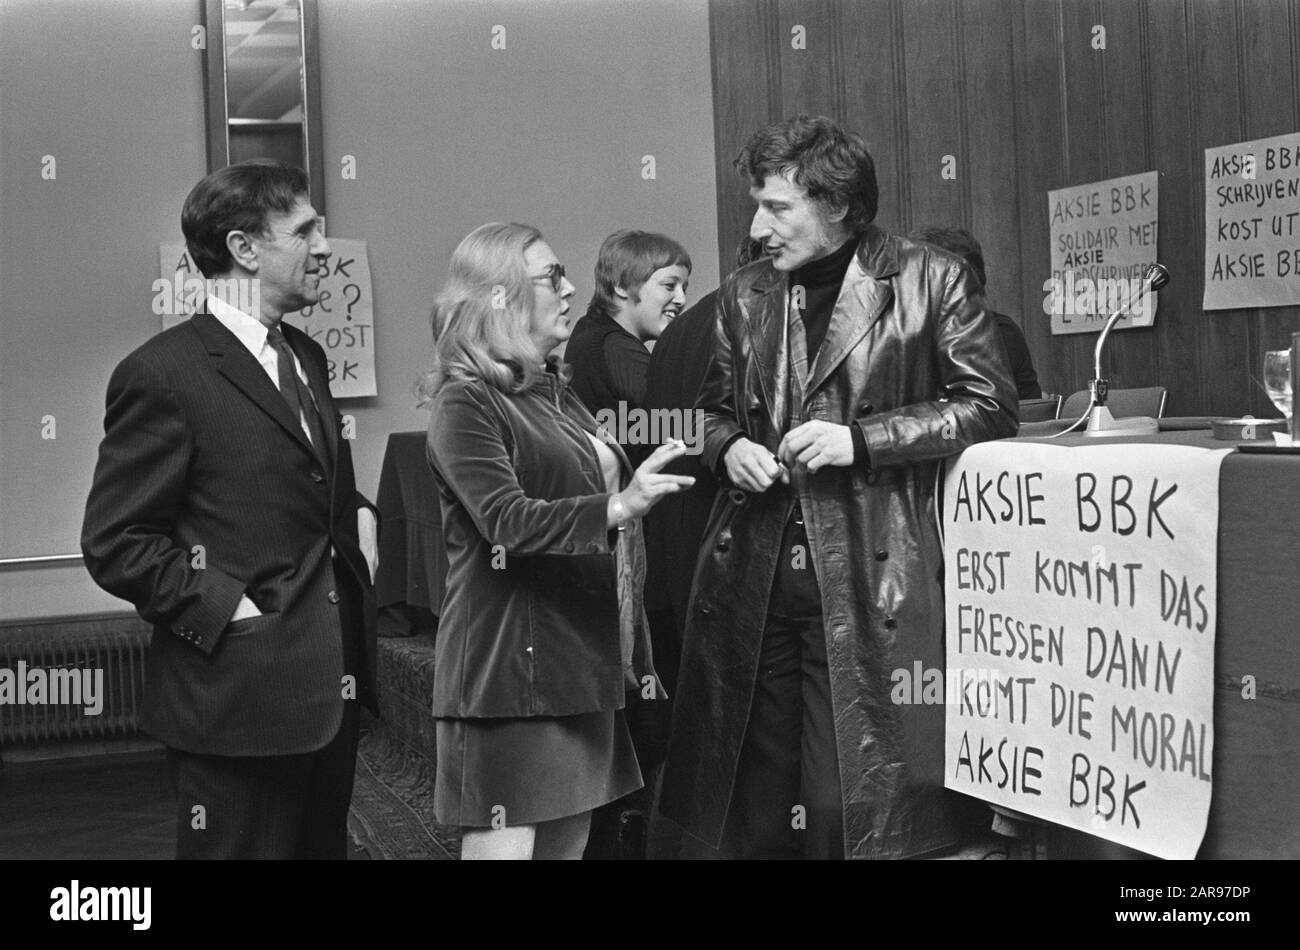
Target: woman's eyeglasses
(554,273)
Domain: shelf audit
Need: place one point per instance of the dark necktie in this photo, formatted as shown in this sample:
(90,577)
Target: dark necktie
(296,393)
(798,356)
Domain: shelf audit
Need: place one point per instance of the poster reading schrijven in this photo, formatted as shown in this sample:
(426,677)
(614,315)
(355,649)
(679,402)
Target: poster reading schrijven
(1252,224)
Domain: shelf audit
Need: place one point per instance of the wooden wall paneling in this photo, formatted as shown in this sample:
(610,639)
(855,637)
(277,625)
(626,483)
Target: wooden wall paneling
(875,102)
(990,121)
(811,76)
(1216,73)
(1182,194)
(746,95)
(935,118)
(1131,356)
(1085,144)
(1041,166)
(1270,33)
(1023,114)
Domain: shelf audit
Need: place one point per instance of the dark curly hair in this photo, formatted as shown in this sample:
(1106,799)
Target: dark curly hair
(832,165)
(236,198)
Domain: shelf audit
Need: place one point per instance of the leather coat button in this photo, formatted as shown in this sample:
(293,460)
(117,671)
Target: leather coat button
(866,409)
(890,623)
(706,611)
(723,545)
(737,496)
(568,546)
(317,477)
(882,555)
(332,597)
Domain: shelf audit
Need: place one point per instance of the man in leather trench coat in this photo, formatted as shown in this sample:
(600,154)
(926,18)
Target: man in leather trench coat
(846,366)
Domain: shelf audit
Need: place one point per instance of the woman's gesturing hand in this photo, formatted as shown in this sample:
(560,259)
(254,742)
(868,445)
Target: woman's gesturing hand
(649,485)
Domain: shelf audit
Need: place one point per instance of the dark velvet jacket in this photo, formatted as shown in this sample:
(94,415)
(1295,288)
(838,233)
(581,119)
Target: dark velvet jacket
(530,621)
(913,360)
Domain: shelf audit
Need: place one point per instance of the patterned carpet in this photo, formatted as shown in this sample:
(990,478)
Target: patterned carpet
(391,817)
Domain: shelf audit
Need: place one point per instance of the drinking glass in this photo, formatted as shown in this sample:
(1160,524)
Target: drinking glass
(1277,379)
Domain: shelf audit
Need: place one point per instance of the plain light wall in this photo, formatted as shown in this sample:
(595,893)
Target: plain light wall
(446,133)
(114,93)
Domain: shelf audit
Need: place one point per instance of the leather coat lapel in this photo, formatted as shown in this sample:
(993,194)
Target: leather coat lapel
(765,315)
(236,364)
(864,297)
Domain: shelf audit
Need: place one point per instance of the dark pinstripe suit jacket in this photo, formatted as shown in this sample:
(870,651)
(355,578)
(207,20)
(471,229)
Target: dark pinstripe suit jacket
(206,488)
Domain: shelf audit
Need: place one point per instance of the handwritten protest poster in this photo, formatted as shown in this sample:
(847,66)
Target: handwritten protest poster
(1081,607)
(342,322)
(1252,224)
(1103,239)
(180,289)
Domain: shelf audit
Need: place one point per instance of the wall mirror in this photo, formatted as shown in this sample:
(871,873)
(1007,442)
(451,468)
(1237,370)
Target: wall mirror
(262,85)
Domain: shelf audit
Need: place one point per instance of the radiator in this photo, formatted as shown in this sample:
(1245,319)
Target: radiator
(114,645)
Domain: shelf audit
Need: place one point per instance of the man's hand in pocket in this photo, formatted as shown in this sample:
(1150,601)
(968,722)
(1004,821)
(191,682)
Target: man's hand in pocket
(245,609)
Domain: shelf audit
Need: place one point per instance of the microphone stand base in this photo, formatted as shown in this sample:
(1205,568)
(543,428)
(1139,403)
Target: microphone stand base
(1101,424)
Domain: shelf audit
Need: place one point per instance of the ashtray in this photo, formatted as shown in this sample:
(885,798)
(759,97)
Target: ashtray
(1247,430)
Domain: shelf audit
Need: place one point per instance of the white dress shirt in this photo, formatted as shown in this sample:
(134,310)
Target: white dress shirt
(252,333)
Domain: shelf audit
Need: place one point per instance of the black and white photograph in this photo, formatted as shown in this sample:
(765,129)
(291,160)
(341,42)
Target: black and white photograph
(650,431)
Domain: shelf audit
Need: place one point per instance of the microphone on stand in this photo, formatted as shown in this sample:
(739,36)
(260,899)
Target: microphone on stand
(1100,421)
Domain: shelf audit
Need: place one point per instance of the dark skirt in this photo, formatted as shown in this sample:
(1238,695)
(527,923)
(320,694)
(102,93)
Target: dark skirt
(525,771)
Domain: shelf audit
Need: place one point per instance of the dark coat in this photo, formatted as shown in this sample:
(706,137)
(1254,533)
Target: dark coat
(1018,357)
(675,525)
(530,621)
(608,365)
(913,360)
(207,488)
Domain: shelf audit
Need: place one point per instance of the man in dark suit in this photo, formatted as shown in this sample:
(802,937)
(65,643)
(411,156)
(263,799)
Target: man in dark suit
(674,528)
(673,531)
(224,508)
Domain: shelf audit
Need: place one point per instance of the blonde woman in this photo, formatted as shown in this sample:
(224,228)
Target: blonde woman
(542,627)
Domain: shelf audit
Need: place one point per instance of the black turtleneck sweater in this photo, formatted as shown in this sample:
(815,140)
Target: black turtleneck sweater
(821,281)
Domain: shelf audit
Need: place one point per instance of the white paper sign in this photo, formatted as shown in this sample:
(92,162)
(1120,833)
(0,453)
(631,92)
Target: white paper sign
(342,322)
(1252,224)
(1080,607)
(180,289)
(1103,238)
